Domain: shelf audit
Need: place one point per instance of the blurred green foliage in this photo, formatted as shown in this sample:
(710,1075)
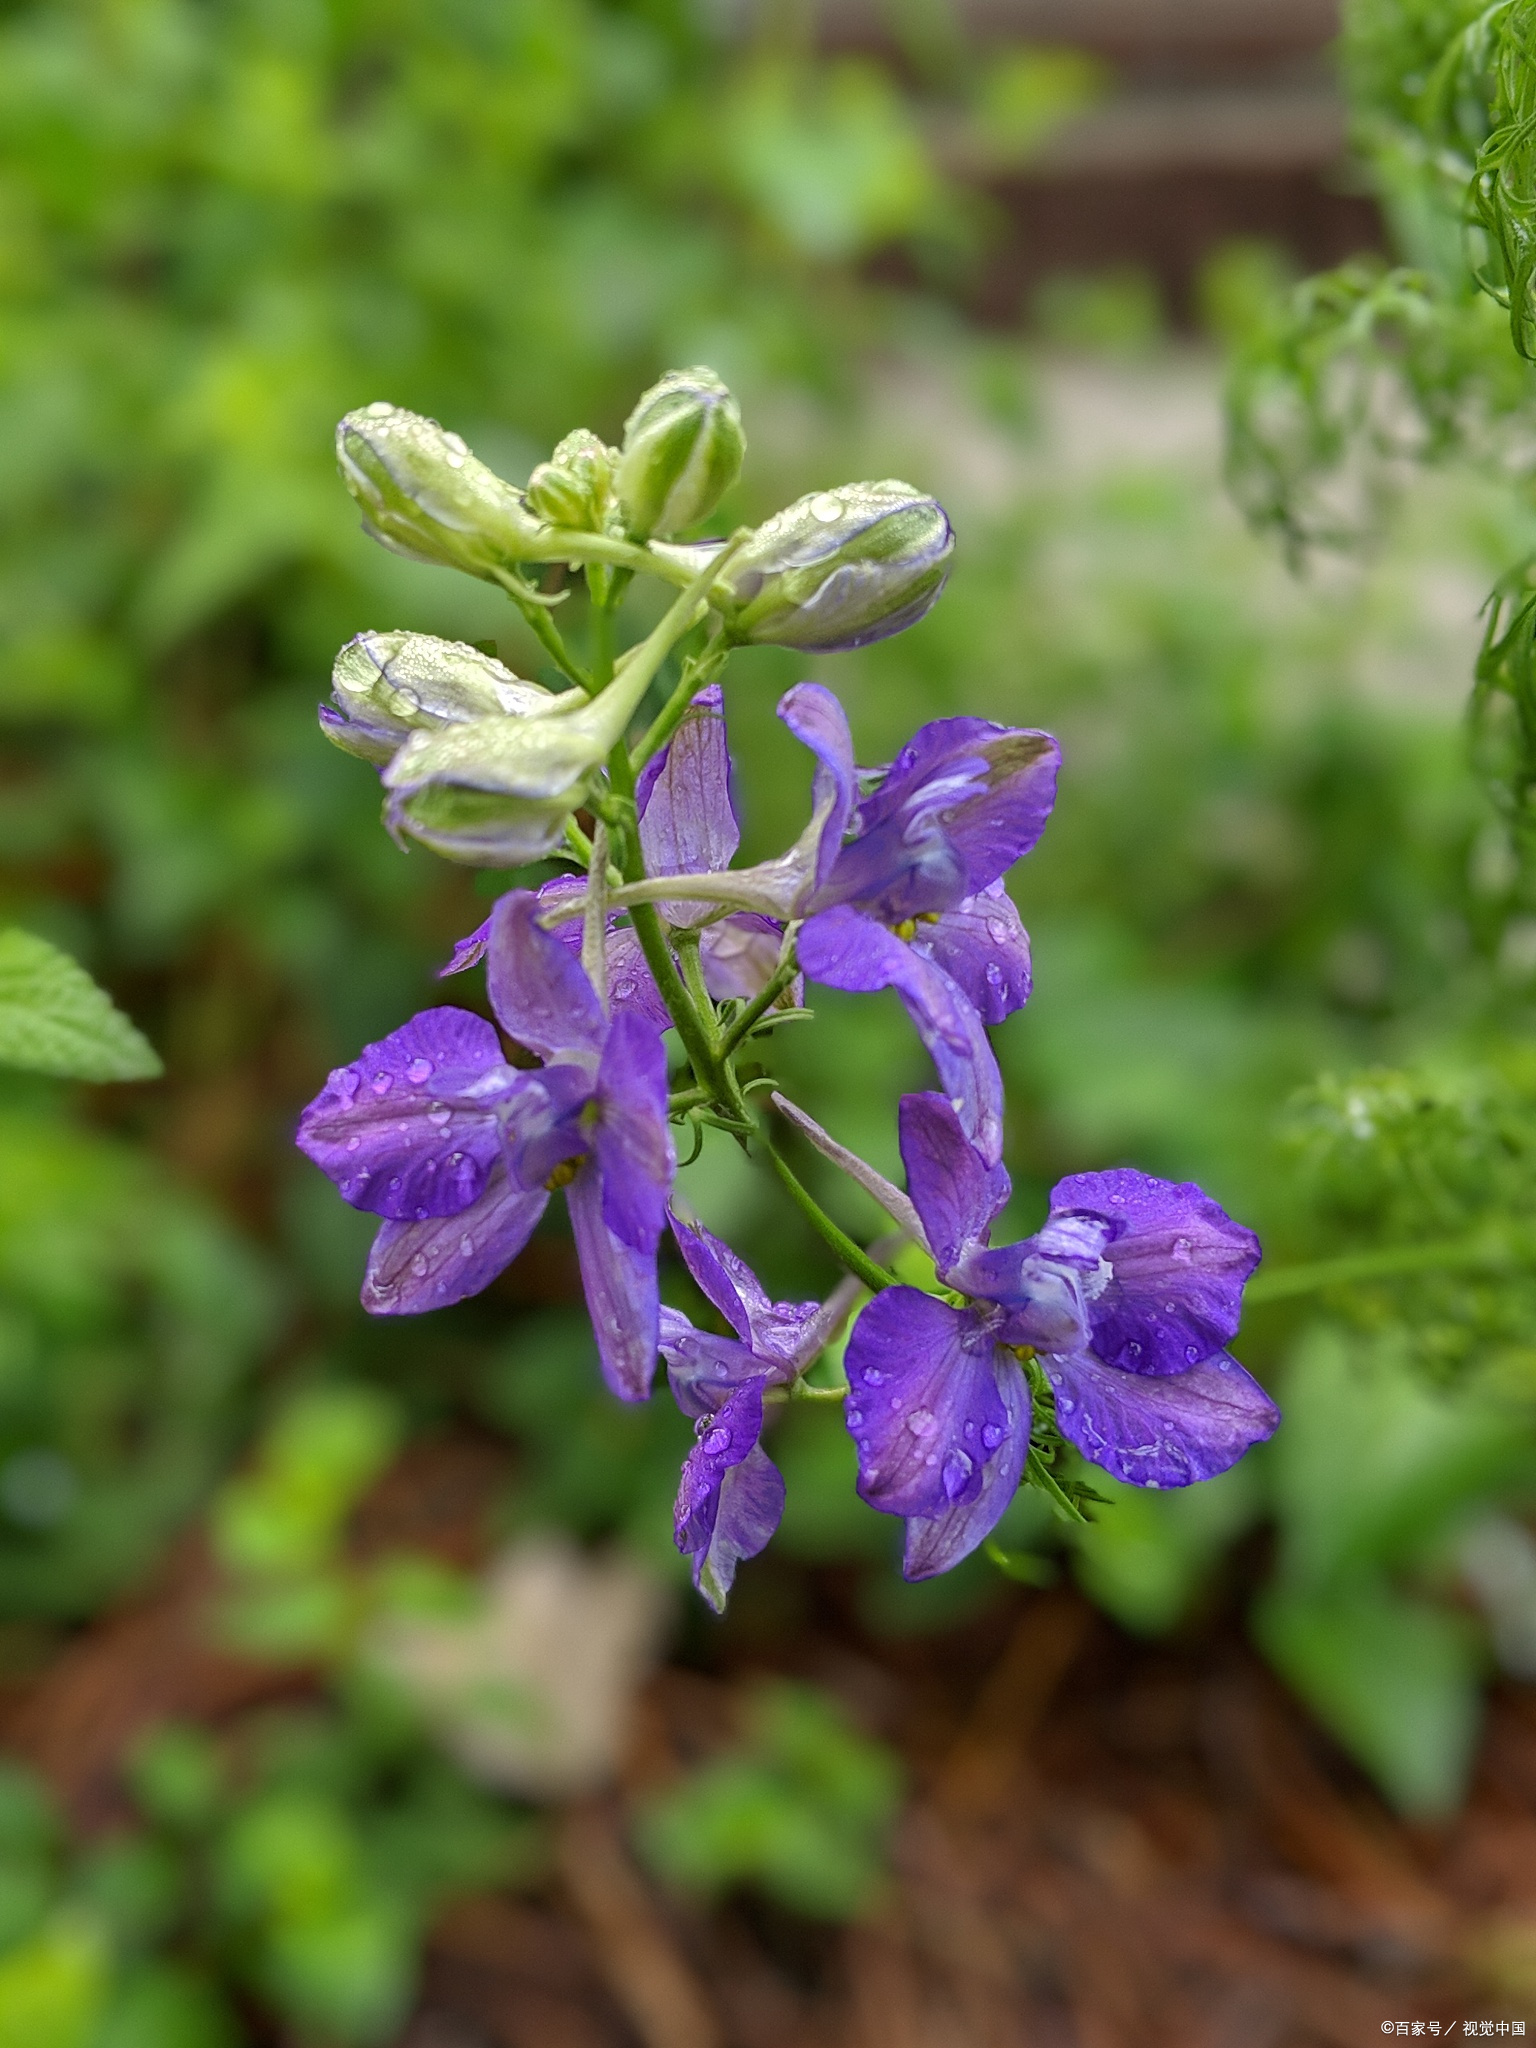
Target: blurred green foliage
(799,1807)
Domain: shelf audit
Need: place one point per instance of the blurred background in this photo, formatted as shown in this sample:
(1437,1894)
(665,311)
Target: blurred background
(350,1688)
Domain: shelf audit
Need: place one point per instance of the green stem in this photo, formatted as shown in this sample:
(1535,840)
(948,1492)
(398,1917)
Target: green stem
(546,633)
(760,1004)
(687,947)
(853,1256)
(1286,1281)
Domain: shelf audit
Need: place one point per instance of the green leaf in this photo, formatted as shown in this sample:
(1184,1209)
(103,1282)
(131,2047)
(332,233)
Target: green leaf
(55,1020)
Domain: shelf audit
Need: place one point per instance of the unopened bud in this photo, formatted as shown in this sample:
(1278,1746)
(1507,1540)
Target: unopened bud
(387,686)
(841,568)
(424,495)
(575,487)
(683,446)
(477,828)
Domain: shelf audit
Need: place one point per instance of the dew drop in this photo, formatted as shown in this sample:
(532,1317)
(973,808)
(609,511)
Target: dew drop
(354,1144)
(991,1435)
(466,1246)
(1223,1364)
(1133,1350)
(1172,1307)
(379,410)
(854,1417)
(1182,1250)
(827,507)
(457,443)
(997,931)
(994,975)
(716,1441)
(454,461)
(970,1429)
(873,1376)
(418,1070)
(622,991)
(1066,1404)
(1192,1353)
(957,1470)
(921,1422)
(422,1215)
(454,1158)
(1118,1200)
(1153,1485)
(346,1083)
(396,1184)
(439,1116)
(1055,1379)
(419,1264)
(382,1083)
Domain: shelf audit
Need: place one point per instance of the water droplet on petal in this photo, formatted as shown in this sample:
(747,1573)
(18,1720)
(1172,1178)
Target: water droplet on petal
(457,443)
(419,1264)
(466,1246)
(418,1070)
(346,1083)
(380,409)
(1153,1485)
(994,975)
(997,931)
(396,1184)
(921,1422)
(827,507)
(1118,1200)
(717,1440)
(439,1116)
(382,1083)
(1192,1353)
(622,991)
(854,1417)
(970,1429)
(1223,1364)
(1066,1404)
(873,1376)
(354,1144)
(957,1470)
(1133,1350)
(1182,1250)
(991,1435)
(1055,1379)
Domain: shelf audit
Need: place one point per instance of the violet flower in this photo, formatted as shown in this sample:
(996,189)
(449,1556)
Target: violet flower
(458,1151)
(1129,1294)
(731,1494)
(688,826)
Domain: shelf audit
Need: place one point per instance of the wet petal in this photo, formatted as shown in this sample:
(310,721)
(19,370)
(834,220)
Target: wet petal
(468,952)
(1177,1267)
(957,1196)
(935,1543)
(1164,1430)
(703,1370)
(687,819)
(631,985)
(926,1407)
(819,722)
(847,950)
(537,988)
(984,949)
(740,955)
(543,1126)
(730,1496)
(409,1130)
(963,800)
(620,1286)
(417,1266)
(631,1138)
(774,1331)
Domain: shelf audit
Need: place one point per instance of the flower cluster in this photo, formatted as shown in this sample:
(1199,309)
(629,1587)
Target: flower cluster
(1106,1330)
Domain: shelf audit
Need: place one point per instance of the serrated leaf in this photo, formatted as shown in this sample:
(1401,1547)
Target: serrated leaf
(55,1020)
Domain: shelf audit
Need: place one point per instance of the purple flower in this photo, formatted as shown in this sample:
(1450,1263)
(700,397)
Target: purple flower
(688,826)
(1129,1294)
(915,901)
(731,1493)
(458,1151)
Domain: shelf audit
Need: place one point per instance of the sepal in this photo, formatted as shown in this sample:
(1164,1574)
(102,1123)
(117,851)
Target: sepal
(683,448)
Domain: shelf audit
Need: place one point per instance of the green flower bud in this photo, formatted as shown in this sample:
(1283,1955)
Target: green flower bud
(388,685)
(477,828)
(840,568)
(425,496)
(683,446)
(575,487)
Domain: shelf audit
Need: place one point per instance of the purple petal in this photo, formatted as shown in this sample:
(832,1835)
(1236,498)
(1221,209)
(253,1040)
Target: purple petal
(409,1130)
(774,1331)
(957,1196)
(1168,1430)
(537,988)
(926,1406)
(631,985)
(703,1370)
(417,1266)
(935,1543)
(984,949)
(819,722)
(543,1126)
(1177,1260)
(468,952)
(631,1138)
(963,800)
(730,1496)
(687,819)
(740,955)
(890,1198)
(370,741)
(847,950)
(620,1285)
